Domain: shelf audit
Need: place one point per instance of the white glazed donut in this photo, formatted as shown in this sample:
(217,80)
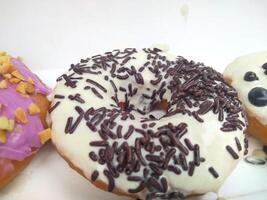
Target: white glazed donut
(147,123)
(248,75)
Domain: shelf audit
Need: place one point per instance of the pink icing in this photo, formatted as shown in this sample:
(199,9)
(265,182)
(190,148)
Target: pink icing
(24,142)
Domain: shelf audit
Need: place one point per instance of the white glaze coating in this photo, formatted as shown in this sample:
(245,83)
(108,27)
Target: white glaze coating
(211,139)
(236,71)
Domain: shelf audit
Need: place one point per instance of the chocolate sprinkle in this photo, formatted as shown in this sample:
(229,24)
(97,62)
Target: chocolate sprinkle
(76,97)
(96,84)
(174,169)
(93,156)
(191,168)
(189,144)
(183,162)
(129,132)
(51,109)
(232,152)
(111,184)
(154,183)
(114,86)
(139,78)
(134,178)
(213,172)
(196,155)
(239,147)
(71,126)
(69,82)
(99,143)
(164,184)
(97,93)
(119,128)
(58,96)
(94,176)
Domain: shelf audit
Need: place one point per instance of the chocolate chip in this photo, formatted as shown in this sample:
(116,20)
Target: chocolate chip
(264,66)
(250,76)
(258,96)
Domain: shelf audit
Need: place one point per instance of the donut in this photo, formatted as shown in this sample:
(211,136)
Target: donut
(145,124)
(248,75)
(23,109)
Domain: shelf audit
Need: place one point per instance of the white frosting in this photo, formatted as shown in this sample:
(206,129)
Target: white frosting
(211,139)
(236,71)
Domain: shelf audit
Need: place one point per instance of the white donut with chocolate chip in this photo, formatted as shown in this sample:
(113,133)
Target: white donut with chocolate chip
(248,75)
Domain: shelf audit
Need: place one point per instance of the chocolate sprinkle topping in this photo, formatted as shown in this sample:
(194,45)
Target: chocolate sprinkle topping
(99,143)
(111,184)
(238,144)
(51,109)
(213,172)
(69,82)
(96,84)
(191,168)
(76,97)
(97,93)
(94,176)
(114,86)
(232,152)
(196,155)
(58,96)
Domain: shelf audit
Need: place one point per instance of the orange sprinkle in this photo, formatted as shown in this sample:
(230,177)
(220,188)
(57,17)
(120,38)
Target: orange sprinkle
(45,135)
(30,88)
(3,84)
(20,116)
(2,136)
(21,87)
(18,75)
(33,109)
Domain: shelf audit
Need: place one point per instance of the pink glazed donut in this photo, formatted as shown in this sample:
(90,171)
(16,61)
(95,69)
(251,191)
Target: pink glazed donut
(23,108)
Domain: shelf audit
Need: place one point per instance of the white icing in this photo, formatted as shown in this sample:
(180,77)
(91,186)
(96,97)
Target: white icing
(236,71)
(208,135)
(162,47)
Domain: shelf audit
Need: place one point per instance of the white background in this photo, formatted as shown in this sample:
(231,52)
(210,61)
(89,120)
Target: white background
(52,34)
(55,33)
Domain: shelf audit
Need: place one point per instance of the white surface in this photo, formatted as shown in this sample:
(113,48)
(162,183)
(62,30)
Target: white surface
(54,33)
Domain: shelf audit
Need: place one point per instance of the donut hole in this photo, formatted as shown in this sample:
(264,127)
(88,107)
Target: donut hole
(158,110)
(124,106)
